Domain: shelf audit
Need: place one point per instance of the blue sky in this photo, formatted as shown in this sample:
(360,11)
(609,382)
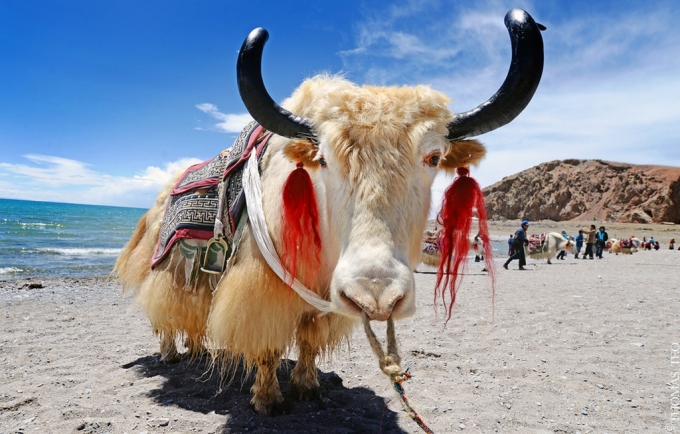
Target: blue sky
(101,102)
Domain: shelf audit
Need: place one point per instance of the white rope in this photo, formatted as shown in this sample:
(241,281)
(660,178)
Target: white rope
(253,192)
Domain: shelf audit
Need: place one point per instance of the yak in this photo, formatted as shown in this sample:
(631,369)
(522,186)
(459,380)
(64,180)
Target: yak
(345,174)
(553,244)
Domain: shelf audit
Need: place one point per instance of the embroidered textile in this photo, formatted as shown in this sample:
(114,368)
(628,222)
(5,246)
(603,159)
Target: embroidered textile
(208,198)
(536,243)
(430,248)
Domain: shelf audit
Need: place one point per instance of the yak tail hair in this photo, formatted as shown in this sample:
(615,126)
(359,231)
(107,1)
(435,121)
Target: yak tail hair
(301,241)
(461,199)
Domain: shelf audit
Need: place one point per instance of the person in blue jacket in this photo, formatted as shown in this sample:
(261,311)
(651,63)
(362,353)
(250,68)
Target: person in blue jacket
(579,242)
(601,238)
(519,241)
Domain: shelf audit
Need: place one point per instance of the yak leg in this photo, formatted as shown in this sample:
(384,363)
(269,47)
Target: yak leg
(303,381)
(267,398)
(311,335)
(169,353)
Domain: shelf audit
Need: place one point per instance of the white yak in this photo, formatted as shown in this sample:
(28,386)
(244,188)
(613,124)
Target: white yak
(628,246)
(554,243)
(368,156)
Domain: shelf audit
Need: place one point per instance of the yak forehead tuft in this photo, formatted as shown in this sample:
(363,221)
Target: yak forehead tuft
(326,98)
(371,125)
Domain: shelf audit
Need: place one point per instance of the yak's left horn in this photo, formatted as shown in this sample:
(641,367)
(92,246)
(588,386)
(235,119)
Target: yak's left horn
(519,85)
(260,105)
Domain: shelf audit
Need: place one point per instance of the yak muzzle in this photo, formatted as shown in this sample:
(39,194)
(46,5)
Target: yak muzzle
(377,294)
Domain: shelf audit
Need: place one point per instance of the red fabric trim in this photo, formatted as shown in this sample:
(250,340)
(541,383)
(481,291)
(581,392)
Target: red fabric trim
(195,234)
(197,184)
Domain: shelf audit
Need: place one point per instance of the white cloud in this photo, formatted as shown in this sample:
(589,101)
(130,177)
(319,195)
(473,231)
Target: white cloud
(230,123)
(57,179)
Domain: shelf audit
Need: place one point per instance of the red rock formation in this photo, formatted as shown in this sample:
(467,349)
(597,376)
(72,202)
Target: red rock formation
(584,190)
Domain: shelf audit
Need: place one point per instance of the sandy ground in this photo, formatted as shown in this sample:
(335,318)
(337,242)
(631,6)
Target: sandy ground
(578,346)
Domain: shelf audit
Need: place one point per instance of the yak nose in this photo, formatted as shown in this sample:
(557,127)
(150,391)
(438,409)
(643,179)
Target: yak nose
(377,297)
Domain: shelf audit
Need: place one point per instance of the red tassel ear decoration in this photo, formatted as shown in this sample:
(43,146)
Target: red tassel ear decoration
(461,199)
(300,225)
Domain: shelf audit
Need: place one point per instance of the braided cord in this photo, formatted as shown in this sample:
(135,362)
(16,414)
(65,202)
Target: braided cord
(389,364)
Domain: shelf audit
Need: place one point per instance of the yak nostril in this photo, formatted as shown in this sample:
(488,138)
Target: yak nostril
(374,311)
(353,305)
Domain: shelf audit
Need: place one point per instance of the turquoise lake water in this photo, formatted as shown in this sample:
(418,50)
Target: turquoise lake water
(51,239)
(60,239)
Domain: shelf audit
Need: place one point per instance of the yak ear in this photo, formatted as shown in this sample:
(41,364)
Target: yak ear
(462,153)
(303,151)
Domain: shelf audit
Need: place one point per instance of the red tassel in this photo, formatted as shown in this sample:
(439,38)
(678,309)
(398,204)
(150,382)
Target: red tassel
(300,225)
(460,200)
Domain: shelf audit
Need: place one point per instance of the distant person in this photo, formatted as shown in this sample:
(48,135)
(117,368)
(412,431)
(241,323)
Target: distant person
(510,242)
(672,244)
(579,242)
(656,245)
(649,245)
(563,253)
(590,242)
(601,238)
(519,241)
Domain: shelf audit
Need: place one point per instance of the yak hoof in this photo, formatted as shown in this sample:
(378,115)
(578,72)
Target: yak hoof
(306,394)
(276,408)
(170,358)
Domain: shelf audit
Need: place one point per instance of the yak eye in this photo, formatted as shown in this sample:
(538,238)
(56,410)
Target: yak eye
(432,160)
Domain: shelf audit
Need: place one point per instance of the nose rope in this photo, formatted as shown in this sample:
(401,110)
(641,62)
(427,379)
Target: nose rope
(389,364)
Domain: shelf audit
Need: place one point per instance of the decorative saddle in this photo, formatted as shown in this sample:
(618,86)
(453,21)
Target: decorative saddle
(536,243)
(626,243)
(207,207)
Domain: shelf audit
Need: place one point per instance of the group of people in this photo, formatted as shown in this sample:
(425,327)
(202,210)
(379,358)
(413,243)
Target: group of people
(595,240)
(649,244)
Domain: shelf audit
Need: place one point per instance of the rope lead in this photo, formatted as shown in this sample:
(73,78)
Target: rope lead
(389,364)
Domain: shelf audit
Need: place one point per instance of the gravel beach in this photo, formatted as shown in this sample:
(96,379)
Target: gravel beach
(578,346)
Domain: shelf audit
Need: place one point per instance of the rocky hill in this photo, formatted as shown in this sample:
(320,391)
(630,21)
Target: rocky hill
(584,190)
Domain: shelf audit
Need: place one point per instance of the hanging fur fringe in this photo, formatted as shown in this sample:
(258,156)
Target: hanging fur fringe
(461,199)
(300,225)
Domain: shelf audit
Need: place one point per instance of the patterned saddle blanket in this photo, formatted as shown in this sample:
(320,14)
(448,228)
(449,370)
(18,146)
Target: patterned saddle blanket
(626,243)
(430,248)
(536,243)
(207,201)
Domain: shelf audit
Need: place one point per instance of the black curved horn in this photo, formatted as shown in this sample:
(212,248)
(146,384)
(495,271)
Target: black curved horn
(260,105)
(519,86)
